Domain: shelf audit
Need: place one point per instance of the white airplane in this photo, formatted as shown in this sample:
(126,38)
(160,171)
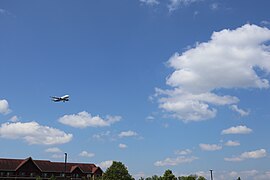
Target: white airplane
(63,98)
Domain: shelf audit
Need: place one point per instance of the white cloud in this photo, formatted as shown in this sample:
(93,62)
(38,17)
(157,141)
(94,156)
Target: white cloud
(4,12)
(84,119)
(122,146)
(237,130)
(229,60)
(53,150)
(263,176)
(150,2)
(214,6)
(105,164)
(58,156)
(191,107)
(175,161)
(251,174)
(248,155)
(150,118)
(86,154)
(238,110)
(210,147)
(102,135)
(175,4)
(4,107)
(127,134)
(232,143)
(183,152)
(264,22)
(139,175)
(243,173)
(14,119)
(33,133)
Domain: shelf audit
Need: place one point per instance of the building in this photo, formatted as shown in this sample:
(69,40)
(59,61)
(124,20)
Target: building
(41,169)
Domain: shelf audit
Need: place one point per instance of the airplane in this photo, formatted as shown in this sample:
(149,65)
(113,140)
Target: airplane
(63,98)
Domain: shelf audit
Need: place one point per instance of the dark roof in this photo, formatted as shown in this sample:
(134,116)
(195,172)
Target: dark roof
(46,166)
(9,164)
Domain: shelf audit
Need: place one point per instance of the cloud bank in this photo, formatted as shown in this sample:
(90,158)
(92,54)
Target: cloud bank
(175,161)
(231,59)
(248,155)
(127,134)
(84,119)
(210,147)
(86,154)
(237,130)
(34,133)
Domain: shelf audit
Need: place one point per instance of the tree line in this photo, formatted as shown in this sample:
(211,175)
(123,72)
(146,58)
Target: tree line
(118,171)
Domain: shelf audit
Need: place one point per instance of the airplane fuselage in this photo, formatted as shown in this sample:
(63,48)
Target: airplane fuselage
(63,98)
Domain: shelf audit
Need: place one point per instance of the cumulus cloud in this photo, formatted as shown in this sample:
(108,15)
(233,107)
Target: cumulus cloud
(231,59)
(237,130)
(239,111)
(210,147)
(150,2)
(105,164)
(264,22)
(53,150)
(248,155)
(4,107)
(175,161)
(34,133)
(232,143)
(183,152)
(14,119)
(189,106)
(175,4)
(122,146)
(127,134)
(86,154)
(84,119)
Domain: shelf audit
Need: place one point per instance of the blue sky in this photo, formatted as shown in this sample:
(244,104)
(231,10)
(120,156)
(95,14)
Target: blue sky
(156,84)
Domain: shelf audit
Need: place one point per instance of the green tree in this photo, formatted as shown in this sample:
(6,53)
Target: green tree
(238,178)
(201,178)
(168,175)
(117,171)
(154,177)
(190,177)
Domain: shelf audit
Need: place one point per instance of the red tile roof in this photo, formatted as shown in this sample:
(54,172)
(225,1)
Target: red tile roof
(46,166)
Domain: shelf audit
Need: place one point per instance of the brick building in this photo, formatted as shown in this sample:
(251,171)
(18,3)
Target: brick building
(42,169)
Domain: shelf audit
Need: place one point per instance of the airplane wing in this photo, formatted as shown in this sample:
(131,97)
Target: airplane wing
(55,99)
